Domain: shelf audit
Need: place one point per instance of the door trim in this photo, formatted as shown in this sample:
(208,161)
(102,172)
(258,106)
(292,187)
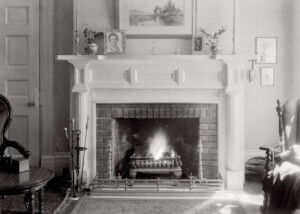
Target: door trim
(46,81)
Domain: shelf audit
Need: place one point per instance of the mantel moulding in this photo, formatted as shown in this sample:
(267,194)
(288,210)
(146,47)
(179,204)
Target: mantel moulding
(168,78)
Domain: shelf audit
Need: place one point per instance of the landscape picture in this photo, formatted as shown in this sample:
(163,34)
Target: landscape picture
(156,12)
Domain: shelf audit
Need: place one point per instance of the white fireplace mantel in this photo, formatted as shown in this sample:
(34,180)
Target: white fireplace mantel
(167,78)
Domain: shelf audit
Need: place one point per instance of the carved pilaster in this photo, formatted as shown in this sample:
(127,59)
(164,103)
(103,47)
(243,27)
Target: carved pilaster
(235,120)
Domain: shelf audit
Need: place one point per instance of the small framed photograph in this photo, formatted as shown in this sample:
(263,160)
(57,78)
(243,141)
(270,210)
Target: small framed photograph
(114,42)
(198,44)
(267,76)
(266,49)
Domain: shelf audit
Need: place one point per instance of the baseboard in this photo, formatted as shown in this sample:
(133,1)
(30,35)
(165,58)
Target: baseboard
(250,153)
(48,162)
(56,162)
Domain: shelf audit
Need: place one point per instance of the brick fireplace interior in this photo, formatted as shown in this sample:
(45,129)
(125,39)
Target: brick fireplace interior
(126,130)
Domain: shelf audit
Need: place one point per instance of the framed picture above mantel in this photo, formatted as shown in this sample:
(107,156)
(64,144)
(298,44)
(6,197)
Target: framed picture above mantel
(155,17)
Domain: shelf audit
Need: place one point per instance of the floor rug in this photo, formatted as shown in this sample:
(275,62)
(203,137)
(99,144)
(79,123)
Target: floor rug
(96,205)
(55,192)
(15,203)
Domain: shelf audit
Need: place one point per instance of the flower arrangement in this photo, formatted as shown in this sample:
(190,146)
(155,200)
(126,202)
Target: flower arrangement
(212,39)
(91,36)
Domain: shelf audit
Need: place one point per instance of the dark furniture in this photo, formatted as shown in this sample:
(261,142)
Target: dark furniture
(5,119)
(26,182)
(281,183)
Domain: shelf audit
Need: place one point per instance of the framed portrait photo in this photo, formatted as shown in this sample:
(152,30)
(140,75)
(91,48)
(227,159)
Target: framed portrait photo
(266,50)
(267,76)
(155,17)
(198,44)
(114,42)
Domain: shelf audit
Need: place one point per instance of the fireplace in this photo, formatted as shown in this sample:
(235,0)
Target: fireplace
(173,139)
(102,83)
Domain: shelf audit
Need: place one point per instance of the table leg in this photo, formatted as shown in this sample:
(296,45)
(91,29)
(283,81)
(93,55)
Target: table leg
(31,204)
(27,201)
(41,200)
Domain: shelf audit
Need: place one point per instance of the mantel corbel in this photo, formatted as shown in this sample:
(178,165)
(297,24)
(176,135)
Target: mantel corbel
(80,75)
(235,71)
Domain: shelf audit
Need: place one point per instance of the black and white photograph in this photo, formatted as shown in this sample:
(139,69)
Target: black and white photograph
(149,106)
(115,42)
(198,44)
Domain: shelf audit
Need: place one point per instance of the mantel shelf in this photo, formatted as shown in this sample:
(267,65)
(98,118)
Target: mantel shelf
(152,57)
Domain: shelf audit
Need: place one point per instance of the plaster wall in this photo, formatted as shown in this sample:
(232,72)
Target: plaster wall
(267,18)
(296,47)
(258,18)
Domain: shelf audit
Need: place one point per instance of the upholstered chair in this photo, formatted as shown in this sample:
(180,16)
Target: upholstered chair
(5,119)
(282,168)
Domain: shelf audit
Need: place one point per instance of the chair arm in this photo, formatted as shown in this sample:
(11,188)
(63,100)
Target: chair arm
(8,143)
(272,147)
(272,151)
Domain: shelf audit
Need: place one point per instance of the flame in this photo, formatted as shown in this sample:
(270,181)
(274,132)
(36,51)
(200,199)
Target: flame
(172,153)
(158,144)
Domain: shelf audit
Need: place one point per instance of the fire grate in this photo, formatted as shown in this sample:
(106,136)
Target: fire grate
(165,165)
(156,185)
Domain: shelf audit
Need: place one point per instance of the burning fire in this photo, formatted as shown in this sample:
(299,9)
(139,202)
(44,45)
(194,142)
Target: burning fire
(158,145)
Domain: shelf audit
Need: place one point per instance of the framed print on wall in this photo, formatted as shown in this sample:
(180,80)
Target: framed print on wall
(114,42)
(266,49)
(155,17)
(267,76)
(198,44)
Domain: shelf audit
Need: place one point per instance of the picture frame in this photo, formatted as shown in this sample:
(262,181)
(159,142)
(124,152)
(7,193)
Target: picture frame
(198,44)
(144,17)
(267,76)
(114,42)
(266,50)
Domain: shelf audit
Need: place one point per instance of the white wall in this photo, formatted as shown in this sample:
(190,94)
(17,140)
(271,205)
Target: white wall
(100,15)
(295,35)
(266,18)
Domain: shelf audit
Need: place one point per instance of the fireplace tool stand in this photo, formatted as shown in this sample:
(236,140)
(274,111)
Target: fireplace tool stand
(76,187)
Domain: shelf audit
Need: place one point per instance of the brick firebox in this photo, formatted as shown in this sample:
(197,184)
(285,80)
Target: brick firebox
(111,149)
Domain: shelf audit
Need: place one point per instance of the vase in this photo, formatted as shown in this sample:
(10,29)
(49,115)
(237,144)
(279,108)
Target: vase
(91,49)
(215,49)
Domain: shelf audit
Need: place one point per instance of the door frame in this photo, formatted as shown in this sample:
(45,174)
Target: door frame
(46,84)
(49,159)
